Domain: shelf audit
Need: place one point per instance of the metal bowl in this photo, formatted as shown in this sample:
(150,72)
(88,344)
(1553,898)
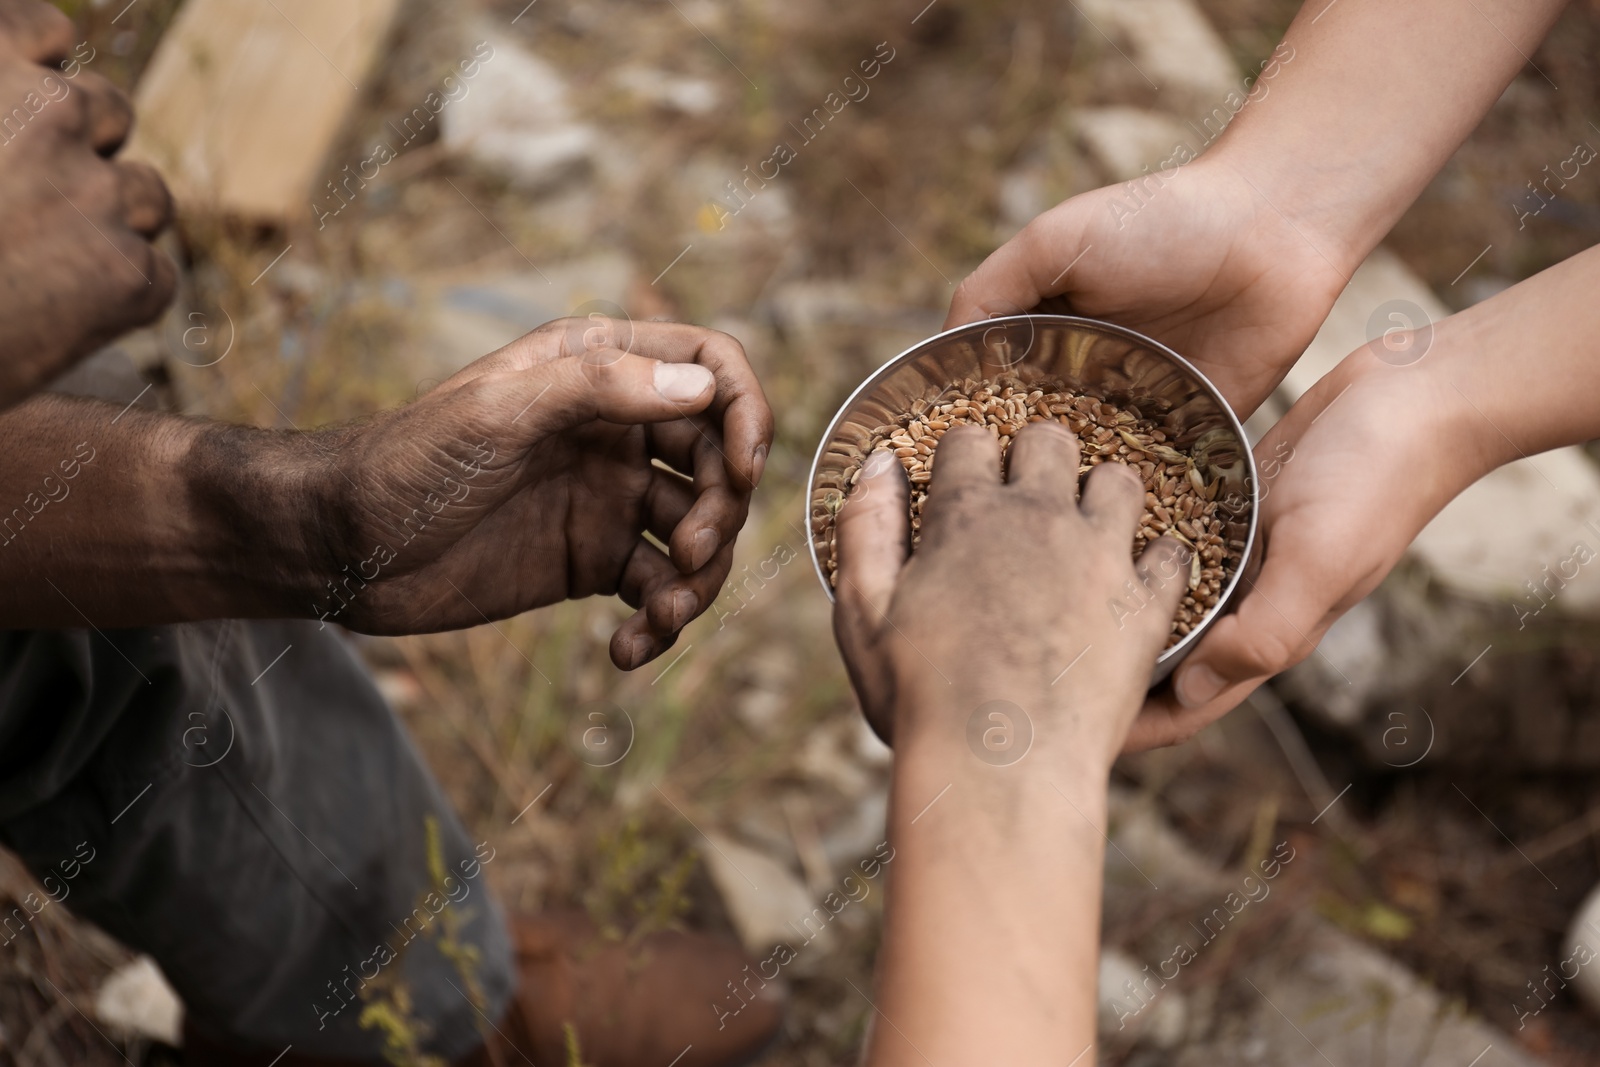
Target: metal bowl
(1098,358)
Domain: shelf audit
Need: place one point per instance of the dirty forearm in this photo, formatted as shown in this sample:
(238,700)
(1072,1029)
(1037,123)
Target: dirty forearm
(992,926)
(124,518)
(1365,100)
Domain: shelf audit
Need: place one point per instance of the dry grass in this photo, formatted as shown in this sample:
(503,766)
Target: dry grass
(752,730)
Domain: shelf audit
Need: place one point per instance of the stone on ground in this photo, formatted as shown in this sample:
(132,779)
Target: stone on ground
(1317,993)
(767,902)
(1171,42)
(516,117)
(136,1001)
(1130,141)
(1327,998)
(471,316)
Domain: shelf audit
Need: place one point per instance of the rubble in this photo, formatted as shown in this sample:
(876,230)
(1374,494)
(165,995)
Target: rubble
(136,1001)
(1171,43)
(1130,141)
(466,317)
(674,92)
(794,784)
(517,118)
(765,899)
(1317,990)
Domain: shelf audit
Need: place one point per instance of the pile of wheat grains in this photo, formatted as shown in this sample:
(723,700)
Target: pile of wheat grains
(1179,496)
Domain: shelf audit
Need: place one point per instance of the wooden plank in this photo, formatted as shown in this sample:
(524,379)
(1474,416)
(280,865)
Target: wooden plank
(243,98)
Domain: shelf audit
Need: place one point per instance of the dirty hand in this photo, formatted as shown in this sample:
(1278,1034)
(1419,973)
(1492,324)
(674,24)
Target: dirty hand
(530,477)
(1009,596)
(1192,258)
(1349,477)
(76,264)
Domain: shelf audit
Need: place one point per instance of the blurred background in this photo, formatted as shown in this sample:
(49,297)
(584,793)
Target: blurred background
(1432,774)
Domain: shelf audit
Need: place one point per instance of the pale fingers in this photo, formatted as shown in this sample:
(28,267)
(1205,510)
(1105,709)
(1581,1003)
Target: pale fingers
(1034,264)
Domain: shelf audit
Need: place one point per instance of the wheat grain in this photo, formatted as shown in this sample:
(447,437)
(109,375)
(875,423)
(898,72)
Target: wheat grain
(1179,498)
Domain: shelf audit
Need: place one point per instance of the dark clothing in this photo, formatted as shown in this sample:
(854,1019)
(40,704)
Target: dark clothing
(236,799)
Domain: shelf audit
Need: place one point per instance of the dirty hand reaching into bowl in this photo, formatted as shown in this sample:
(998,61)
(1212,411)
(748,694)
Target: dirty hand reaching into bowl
(524,479)
(1234,260)
(1003,611)
(988,606)
(1371,454)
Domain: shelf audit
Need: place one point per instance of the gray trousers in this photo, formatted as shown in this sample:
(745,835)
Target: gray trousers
(237,800)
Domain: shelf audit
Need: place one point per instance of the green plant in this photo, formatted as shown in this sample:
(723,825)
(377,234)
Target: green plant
(388,1005)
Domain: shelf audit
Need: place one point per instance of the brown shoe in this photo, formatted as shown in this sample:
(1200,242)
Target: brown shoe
(673,998)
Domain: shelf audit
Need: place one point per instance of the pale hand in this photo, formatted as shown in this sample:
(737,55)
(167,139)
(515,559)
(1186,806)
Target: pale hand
(1349,477)
(1193,258)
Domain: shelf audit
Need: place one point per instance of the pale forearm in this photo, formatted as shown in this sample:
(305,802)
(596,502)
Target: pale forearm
(1008,701)
(1364,102)
(1524,366)
(993,918)
(122,518)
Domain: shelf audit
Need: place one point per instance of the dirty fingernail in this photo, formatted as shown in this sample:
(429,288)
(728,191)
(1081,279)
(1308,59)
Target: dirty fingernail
(639,650)
(1198,685)
(877,463)
(705,546)
(758,464)
(681,382)
(684,604)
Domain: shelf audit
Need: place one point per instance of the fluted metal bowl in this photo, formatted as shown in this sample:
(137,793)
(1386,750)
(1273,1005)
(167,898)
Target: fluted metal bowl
(1098,358)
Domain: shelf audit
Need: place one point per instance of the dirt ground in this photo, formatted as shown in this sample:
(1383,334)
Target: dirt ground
(751,730)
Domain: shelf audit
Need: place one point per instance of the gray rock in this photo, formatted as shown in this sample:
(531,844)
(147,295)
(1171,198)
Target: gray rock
(516,118)
(760,709)
(1311,989)
(1171,42)
(1581,953)
(136,1001)
(1150,854)
(814,315)
(1476,290)
(765,899)
(1352,658)
(674,92)
(467,317)
(768,673)
(1023,195)
(869,748)
(108,374)
(1130,141)
(1324,997)
(1122,1020)
(828,755)
(861,830)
